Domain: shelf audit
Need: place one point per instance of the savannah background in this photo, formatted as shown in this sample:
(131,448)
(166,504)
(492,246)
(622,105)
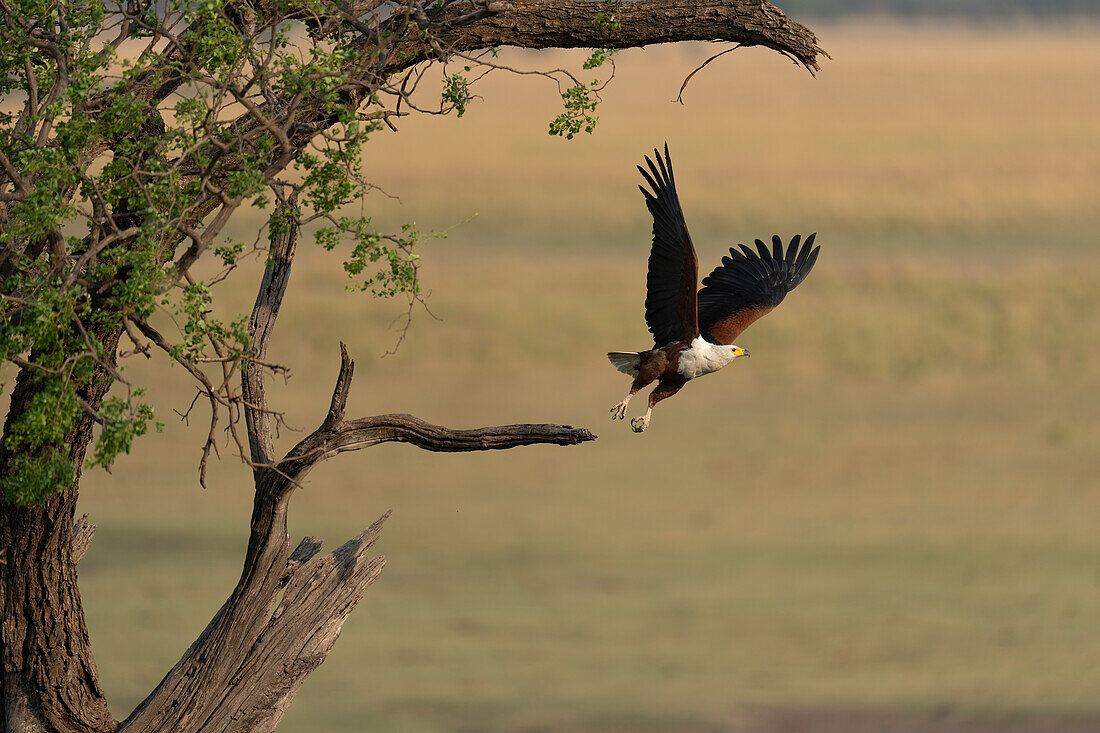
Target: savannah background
(887,516)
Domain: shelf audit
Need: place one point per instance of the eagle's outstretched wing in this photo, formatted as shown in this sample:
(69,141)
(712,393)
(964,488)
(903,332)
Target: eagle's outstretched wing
(748,284)
(670,310)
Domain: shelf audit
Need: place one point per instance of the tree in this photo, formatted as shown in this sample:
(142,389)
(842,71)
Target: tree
(130,134)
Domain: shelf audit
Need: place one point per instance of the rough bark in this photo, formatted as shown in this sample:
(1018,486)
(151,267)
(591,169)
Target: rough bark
(83,532)
(48,677)
(576,24)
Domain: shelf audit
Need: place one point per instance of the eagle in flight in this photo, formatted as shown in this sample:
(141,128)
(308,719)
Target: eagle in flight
(693,332)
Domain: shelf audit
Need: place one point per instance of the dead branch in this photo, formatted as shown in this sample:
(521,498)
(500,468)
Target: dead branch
(700,67)
(335,435)
(272,642)
(368,431)
(262,324)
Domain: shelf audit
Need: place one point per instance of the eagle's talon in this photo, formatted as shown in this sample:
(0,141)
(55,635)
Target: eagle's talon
(639,424)
(618,412)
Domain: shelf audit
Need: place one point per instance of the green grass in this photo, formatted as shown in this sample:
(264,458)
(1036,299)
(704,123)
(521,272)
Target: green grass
(893,504)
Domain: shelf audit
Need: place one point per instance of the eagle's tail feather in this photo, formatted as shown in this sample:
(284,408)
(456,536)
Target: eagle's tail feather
(625,361)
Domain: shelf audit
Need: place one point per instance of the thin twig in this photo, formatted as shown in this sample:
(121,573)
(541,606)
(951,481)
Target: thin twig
(680,96)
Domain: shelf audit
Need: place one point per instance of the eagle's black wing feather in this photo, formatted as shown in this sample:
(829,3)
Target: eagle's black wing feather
(750,283)
(670,308)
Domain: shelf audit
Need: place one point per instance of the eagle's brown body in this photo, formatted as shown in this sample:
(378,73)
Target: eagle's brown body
(693,331)
(660,365)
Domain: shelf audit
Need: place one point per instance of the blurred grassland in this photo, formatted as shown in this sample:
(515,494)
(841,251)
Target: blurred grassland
(893,504)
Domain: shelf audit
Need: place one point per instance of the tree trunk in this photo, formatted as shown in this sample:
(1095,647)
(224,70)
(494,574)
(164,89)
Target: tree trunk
(48,678)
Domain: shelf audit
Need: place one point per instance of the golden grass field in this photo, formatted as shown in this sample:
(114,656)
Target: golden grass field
(892,506)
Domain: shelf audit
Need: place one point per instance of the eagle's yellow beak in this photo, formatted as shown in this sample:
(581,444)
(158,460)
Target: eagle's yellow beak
(740,352)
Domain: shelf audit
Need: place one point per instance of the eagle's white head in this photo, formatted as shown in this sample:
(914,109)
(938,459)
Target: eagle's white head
(703,357)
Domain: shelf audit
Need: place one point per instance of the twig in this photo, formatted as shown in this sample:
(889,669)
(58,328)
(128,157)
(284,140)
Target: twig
(680,96)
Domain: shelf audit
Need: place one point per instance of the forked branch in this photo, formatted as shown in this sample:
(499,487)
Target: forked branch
(335,435)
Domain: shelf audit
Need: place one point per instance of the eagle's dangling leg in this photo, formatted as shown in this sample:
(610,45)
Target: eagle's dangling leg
(618,412)
(662,391)
(645,377)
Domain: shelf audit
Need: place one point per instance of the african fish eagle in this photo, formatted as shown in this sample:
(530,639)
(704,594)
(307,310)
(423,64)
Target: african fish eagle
(693,332)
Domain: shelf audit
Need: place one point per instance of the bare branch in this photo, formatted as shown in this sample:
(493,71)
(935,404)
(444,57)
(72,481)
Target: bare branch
(21,190)
(264,313)
(207,389)
(337,436)
(272,642)
(368,431)
(680,96)
(340,393)
(319,596)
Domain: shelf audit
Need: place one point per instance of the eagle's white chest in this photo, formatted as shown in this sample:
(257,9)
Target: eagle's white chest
(702,357)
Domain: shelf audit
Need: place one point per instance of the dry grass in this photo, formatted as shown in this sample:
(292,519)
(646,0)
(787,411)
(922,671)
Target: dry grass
(892,504)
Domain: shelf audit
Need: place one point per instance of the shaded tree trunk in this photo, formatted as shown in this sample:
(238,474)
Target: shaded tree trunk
(48,677)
